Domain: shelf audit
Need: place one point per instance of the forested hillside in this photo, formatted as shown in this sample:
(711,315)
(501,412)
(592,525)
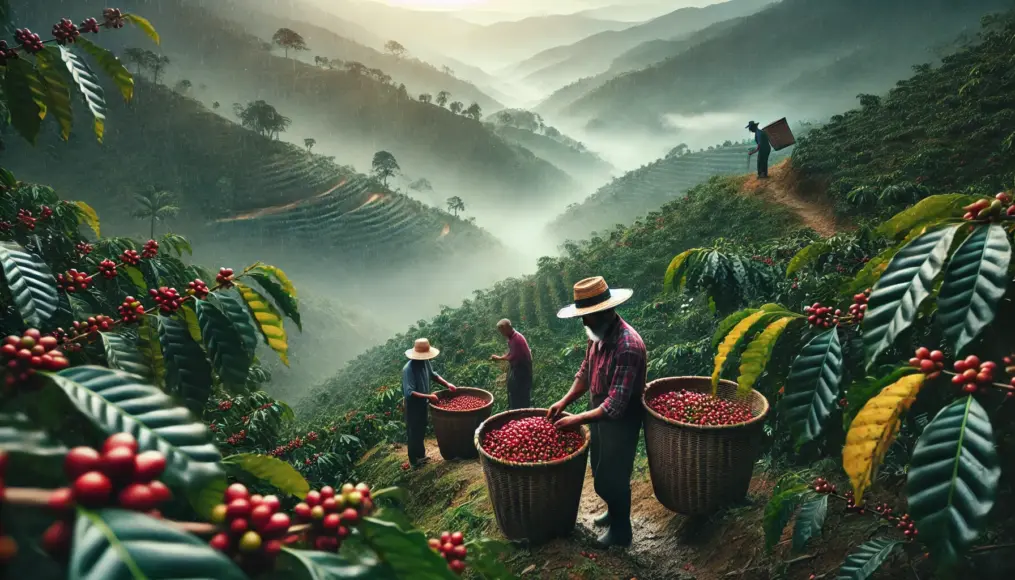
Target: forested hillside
(757,60)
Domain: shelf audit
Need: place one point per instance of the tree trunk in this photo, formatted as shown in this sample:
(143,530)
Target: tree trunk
(152,237)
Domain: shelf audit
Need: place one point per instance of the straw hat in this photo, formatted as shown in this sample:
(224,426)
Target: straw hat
(422,350)
(751,125)
(593,295)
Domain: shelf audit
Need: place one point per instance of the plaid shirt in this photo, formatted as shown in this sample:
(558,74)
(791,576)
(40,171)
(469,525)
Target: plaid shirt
(615,368)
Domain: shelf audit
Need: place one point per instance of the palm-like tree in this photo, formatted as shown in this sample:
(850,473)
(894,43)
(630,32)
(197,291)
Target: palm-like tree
(155,205)
(455,205)
(442,98)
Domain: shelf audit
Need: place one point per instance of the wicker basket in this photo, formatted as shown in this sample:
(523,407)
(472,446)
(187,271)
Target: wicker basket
(455,429)
(697,469)
(780,136)
(533,501)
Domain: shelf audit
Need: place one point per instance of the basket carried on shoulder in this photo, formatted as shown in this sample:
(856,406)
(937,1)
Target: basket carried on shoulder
(455,429)
(533,501)
(698,469)
(780,136)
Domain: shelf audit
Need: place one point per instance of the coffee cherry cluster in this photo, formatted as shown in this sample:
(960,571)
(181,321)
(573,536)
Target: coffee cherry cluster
(973,375)
(5,226)
(8,547)
(26,219)
(198,289)
(460,403)
(6,53)
(333,515)
(859,306)
(24,355)
(150,250)
(130,257)
(822,316)
(45,212)
(90,25)
(224,278)
(763,259)
(451,545)
(930,362)
(696,408)
(823,486)
(28,40)
(225,405)
(113,18)
(131,310)
(531,440)
(94,324)
(312,459)
(237,438)
(990,209)
(168,299)
(84,248)
(65,32)
(72,281)
(108,269)
(253,528)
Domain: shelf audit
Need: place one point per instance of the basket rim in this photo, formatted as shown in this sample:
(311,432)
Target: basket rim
(482,452)
(757,418)
(466,389)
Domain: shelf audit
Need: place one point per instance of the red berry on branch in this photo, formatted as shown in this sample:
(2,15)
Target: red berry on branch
(90,25)
(198,289)
(108,269)
(224,278)
(112,18)
(79,461)
(92,489)
(150,250)
(130,257)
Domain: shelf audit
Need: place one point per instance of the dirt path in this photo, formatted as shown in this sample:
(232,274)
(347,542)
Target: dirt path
(807,199)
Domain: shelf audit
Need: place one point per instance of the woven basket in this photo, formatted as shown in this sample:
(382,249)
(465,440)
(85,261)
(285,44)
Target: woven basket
(533,501)
(455,429)
(697,469)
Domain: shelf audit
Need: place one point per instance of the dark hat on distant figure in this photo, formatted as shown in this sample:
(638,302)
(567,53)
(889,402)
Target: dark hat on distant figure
(752,125)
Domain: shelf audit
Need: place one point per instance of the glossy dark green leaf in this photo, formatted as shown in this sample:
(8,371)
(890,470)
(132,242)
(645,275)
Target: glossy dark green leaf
(111,65)
(315,565)
(406,552)
(779,510)
(809,521)
(271,470)
(116,402)
(285,301)
(234,309)
(397,494)
(812,386)
(30,283)
(18,434)
(56,88)
(974,283)
(226,350)
(188,372)
(862,563)
(123,354)
(486,557)
(114,544)
(953,478)
(927,211)
(906,283)
(210,494)
(89,87)
(150,349)
(23,97)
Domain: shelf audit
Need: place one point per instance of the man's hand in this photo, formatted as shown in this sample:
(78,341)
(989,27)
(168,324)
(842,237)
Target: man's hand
(496,357)
(433,398)
(569,422)
(452,388)
(556,409)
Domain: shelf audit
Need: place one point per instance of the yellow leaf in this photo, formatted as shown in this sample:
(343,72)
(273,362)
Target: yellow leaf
(730,342)
(756,356)
(873,430)
(674,267)
(269,321)
(87,215)
(193,327)
(279,275)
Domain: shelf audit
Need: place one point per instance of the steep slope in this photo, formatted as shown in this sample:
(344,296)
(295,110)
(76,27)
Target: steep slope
(754,61)
(582,165)
(553,68)
(649,187)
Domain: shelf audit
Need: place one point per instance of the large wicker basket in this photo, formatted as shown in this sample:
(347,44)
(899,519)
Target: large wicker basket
(533,501)
(455,429)
(697,469)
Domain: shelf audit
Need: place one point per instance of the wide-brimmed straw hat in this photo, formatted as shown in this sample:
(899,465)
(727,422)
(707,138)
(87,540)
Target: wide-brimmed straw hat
(594,295)
(422,350)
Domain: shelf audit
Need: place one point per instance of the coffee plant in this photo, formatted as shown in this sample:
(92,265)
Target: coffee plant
(943,279)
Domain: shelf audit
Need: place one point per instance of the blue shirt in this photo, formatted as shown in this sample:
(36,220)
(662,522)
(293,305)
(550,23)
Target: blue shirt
(416,375)
(761,138)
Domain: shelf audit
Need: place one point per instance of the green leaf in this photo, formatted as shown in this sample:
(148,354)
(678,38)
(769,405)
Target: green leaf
(779,510)
(110,65)
(283,299)
(273,471)
(807,255)
(895,302)
(116,402)
(137,277)
(397,493)
(224,343)
(89,217)
(188,372)
(6,177)
(23,97)
(205,498)
(89,87)
(673,279)
(56,89)
(812,386)
(974,283)
(268,319)
(114,544)
(953,478)
(756,355)
(862,563)
(809,521)
(30,283)
(18,434)
(150,350)
(122,354)
(926,212)
(144,25)
(237,313)
(486,557)
(314,565)
(280,276)
(406,552)
(178,244)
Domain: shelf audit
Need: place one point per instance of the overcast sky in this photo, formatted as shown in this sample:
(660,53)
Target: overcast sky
(526,7)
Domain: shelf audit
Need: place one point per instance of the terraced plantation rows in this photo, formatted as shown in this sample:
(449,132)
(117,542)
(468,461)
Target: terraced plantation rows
(647,188)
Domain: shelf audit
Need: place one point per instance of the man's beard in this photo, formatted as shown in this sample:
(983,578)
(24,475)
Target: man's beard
(592,335)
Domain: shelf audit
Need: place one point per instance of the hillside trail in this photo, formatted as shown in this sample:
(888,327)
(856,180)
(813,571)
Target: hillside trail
(806,198)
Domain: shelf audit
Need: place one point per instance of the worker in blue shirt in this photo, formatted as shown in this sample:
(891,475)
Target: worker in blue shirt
(416,377)
(764,148)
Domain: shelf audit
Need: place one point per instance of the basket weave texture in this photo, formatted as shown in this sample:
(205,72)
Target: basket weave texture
(533,501)
(698,469)
(455,429)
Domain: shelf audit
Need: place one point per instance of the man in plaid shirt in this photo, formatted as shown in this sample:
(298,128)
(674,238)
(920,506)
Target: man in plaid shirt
(613,371)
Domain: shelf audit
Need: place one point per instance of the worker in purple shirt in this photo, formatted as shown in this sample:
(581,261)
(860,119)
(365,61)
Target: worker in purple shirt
(519,382)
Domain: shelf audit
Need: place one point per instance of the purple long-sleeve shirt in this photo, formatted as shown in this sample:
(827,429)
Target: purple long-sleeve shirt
(518,349)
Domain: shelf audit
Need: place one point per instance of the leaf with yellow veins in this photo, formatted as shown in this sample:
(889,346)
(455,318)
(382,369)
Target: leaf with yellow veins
(268,319)
(757,354)
(874,429)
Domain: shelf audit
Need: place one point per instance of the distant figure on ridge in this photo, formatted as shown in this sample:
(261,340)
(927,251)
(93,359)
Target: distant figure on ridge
(519,382)
(764,148)
(614,372)
(416,376)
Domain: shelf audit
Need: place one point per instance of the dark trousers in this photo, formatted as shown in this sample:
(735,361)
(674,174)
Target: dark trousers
(612,450)
(763,162)
(519,386)
(415,428)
